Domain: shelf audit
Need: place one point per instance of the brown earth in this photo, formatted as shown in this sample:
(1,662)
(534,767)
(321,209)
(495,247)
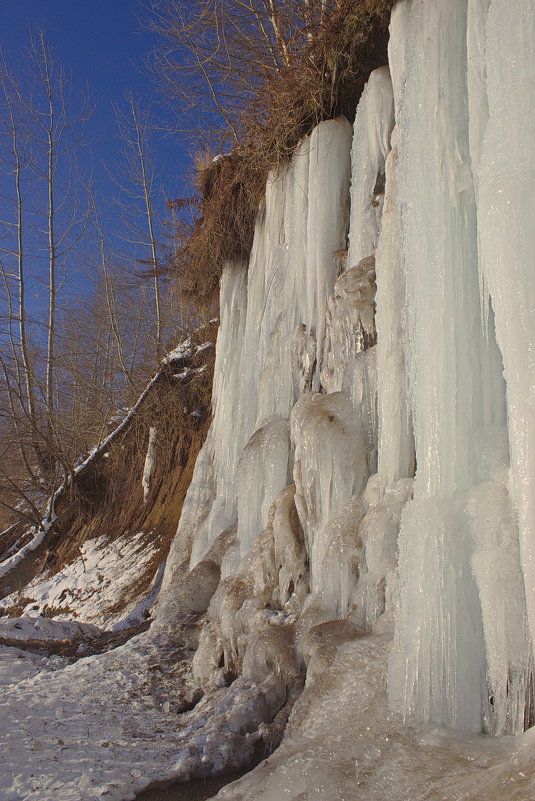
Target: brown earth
(106,496)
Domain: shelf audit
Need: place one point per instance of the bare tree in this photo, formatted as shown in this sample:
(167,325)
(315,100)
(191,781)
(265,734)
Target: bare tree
(59,136)
(110,294)
(46,215)
(16,160)
(222,52)
(137,183)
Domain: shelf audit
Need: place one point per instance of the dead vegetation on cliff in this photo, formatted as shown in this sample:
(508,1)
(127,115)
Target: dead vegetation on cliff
(269,72)
(106,497)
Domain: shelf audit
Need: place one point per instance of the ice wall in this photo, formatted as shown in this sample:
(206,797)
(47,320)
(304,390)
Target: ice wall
(454,659)
(379,393)
(505,176)
(300,229)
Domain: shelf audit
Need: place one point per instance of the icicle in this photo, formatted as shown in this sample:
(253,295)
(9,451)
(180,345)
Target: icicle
(396,441)
(292,269)
(444,654)
(371,142)
(506,198)
(149,463)
(328,188)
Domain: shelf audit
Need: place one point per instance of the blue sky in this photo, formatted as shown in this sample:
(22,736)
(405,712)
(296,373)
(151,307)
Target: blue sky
(104,48)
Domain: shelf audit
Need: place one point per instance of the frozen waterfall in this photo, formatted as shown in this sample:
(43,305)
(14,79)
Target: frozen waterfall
(462,654)
(375,357)
(349,600)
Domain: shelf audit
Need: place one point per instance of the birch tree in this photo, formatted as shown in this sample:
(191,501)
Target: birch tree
(137,184)
(45,212)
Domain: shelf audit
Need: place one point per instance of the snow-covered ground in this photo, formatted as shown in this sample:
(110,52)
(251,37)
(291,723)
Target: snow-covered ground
(94,587)
(98,728)
(106,726)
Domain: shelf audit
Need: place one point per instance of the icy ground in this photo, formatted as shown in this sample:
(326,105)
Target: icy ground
(343,744)
(92,729)
(106,726)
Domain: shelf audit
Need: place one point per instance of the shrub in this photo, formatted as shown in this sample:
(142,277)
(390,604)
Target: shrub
(269,104)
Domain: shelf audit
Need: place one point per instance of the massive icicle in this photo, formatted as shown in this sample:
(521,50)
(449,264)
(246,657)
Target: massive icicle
(291,273)
(506,180)
(452,661)
(371,142)
(396,441)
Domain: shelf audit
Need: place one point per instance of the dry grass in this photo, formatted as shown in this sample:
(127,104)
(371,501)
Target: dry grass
(323,80)
(231,188)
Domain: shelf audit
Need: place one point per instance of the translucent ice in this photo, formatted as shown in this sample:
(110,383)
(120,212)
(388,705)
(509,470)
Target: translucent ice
(371,142)
(290,276)
(263,471)
(445,663)
(396,441)
(506,195)
(330,465)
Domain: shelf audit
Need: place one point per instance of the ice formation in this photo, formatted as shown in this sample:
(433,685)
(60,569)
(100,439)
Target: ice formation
(428,162)
(452,660)
(290,277)
(429,400)
(360,518)
(149,462)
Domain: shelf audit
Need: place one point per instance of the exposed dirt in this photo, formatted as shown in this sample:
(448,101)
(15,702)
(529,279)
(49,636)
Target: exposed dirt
(106,496)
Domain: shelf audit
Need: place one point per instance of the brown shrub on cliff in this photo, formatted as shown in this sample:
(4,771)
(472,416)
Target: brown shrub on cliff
(271,75)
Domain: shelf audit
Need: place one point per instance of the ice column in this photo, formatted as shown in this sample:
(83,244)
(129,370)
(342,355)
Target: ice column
(228,434)
(293,265)
(149,462)
(506,203)
(439,667)
(328,219)
(396,442)
(371,142)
